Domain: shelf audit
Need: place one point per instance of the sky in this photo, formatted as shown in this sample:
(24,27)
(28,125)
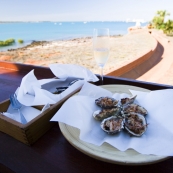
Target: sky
(82,10)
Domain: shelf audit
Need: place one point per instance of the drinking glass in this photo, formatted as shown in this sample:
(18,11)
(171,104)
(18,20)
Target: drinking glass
(101,48)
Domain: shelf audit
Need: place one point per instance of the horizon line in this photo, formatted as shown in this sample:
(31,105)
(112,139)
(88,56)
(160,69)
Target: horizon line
(34,21)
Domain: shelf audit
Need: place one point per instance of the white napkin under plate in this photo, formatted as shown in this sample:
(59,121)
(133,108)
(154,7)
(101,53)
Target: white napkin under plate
(158,139)
(40,92)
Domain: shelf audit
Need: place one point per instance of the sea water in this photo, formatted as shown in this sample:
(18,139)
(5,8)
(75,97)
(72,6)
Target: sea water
(49,31)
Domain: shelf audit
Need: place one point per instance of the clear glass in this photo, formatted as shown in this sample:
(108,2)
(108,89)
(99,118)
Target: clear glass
(101,47)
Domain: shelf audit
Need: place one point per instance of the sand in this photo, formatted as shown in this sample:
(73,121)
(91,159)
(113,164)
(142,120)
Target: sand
(124,49)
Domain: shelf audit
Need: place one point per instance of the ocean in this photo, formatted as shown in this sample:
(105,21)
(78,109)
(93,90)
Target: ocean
(50,31)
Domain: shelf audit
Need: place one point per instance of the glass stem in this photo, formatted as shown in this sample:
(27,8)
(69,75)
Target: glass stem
(101,75)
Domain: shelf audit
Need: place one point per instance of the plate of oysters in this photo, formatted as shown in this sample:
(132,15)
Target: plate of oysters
(115,117)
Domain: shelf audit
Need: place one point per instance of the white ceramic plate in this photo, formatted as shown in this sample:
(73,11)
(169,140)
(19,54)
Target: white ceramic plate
(106,152)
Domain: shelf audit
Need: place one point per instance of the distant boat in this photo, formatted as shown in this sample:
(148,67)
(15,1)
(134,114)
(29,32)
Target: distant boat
(60,23)
(55,23)
(84,22)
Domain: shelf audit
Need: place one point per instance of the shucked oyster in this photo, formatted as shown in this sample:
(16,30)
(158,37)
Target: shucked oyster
(112,125)
(106,102)
(135,124)
(125,101)
(105,113)
(135,108)
(116,116)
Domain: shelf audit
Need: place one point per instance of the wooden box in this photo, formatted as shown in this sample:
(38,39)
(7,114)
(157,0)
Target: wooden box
(34,129)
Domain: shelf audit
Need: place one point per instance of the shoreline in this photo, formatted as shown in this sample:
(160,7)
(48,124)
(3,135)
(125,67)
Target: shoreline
(124,48)
(41,43)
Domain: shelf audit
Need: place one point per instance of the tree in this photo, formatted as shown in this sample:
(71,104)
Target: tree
(158,22)
(168,27)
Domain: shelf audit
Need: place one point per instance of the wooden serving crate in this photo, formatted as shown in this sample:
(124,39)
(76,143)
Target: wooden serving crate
(34,129)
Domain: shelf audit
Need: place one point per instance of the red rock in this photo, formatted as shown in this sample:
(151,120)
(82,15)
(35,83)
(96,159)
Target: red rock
(5,57)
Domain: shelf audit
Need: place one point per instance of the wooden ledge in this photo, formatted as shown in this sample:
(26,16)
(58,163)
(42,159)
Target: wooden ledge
(139,66)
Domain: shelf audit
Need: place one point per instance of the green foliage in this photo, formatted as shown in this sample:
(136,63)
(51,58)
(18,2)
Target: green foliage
(158,22)
(168,27)
(20,41)
(7,42)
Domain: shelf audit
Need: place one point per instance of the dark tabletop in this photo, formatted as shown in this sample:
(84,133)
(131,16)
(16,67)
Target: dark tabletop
(52,152)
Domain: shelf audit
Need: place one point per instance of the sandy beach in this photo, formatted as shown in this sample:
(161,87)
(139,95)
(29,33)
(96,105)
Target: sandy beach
(124,49)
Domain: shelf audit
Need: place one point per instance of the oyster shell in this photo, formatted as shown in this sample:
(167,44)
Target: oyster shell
(135,124)
(128,100)
(105,113)
(135,108)
(106,102)
(112,125)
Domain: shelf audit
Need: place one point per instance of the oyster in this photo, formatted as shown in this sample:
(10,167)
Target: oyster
(135,124)
(105,113)
(125,101)
(106,102)
(112,125)
(135,108)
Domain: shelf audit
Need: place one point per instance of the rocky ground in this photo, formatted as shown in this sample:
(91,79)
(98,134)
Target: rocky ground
(124,49)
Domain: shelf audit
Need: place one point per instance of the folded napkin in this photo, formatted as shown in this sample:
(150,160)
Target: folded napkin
(28,112)
(40,92)
(71,70)
(158,139)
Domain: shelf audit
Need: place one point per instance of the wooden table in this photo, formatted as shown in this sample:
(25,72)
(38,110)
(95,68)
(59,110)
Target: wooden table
(52,152)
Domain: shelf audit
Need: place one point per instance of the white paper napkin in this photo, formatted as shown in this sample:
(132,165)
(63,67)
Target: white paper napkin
(158,138)
(28,112)
(71,70)
(39,92)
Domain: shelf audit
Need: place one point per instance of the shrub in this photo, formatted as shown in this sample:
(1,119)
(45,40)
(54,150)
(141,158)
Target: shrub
(20,41)
(7,42)
(1,43)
